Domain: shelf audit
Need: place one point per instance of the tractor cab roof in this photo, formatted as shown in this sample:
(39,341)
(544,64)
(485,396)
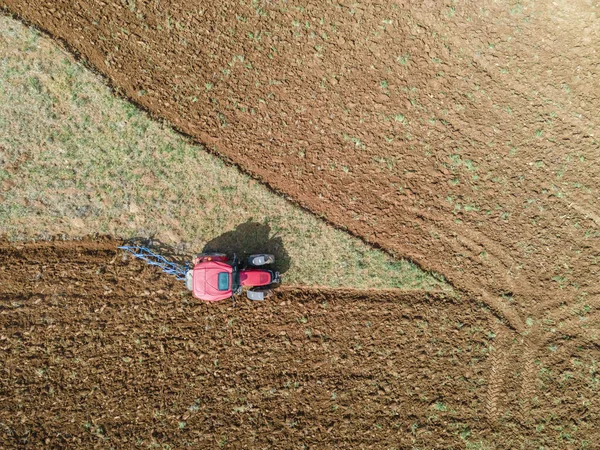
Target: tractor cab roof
(212,281)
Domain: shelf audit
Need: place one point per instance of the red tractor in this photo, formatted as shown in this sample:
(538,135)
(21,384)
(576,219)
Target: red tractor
(215,277)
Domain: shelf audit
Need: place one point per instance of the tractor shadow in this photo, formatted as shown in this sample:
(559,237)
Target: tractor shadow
(249,238)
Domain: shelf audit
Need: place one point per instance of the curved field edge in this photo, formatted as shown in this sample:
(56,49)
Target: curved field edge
(79,161)
(563,369)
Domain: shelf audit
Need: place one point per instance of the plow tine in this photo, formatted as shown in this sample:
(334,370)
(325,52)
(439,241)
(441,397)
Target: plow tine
(154,259)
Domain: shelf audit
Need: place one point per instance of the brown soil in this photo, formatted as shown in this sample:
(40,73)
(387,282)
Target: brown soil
(100,350)
(461,136)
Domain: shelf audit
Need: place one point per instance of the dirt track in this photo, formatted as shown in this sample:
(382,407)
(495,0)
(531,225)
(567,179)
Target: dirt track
(461,136)
(100,350)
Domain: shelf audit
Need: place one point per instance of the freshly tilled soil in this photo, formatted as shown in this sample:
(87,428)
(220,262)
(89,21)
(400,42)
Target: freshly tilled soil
(100,350)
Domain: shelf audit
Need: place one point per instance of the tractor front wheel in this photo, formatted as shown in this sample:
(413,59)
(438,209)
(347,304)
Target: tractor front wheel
(189,280)
(261,259)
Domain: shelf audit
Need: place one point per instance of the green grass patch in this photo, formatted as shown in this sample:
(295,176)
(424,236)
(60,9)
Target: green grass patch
(77,160)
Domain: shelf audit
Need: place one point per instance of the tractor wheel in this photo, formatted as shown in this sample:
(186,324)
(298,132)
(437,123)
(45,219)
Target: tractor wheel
(213,254)
(189,280)
(261,259)
(259,293)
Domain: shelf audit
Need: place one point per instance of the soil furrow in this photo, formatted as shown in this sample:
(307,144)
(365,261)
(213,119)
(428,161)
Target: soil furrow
(409,368)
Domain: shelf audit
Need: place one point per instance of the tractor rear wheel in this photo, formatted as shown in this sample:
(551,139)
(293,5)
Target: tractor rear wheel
(213,254)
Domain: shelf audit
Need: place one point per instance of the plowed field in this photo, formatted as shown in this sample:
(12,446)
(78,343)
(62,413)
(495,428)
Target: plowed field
(460,135)
(97,350)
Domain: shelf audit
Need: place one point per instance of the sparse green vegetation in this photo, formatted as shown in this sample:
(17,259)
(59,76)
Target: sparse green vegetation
(403,59)
(439,406)
(400,118)
(356,141)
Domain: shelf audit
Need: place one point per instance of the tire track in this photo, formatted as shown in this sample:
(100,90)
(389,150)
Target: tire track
(504,312)
(475,242)
(584,209)
(557,315)
(528,378)
(458,242)
(573,327)
(501,351)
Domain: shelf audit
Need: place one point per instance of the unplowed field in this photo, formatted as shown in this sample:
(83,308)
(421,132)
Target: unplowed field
(98,350)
